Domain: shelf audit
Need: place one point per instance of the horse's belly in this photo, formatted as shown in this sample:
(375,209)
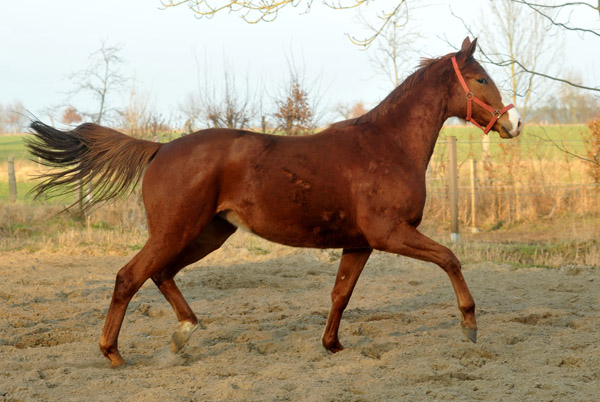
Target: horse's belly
(235,220)
(327,231)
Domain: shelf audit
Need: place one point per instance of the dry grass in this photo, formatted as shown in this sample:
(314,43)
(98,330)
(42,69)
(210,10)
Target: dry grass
(511,189)
(115,229)
(558,241)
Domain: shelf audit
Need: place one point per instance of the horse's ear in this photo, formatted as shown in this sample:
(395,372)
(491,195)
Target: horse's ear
(467,49)
(465,45)
(473,47)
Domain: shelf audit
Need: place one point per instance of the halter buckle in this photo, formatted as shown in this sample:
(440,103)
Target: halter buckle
(497,113)
(470,95)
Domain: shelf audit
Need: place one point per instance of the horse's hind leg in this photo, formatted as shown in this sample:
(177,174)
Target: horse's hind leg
(188,322)
(351,266)
(153,257)
(210,239)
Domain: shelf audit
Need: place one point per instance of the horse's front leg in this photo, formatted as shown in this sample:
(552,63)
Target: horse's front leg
(409,242)
(351,265)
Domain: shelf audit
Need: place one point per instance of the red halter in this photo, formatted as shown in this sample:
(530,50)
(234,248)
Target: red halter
(471,97)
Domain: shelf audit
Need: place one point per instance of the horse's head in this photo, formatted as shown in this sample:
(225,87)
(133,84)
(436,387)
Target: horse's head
(479,99)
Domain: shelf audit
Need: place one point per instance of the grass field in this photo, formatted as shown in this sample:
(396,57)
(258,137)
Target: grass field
(535,141)
(13,145)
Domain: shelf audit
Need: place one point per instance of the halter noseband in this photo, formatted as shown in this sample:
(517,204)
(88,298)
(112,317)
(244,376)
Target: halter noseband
(471,97)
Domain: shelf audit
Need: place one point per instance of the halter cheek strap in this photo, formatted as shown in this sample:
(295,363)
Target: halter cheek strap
(472,98)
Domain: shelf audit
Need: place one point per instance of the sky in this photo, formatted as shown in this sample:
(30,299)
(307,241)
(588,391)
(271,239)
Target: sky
(169,51)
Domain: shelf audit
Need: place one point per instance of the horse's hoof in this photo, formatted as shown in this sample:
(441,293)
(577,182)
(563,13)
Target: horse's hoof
(112,354)
(470,333)
(337,348)
(182,335)
(333,347)
(116,361)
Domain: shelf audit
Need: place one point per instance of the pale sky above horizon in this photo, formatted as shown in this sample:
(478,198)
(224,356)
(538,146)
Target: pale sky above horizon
(44,41)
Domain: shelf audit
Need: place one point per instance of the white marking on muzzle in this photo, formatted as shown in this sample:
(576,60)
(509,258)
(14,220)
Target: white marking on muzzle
(514,117)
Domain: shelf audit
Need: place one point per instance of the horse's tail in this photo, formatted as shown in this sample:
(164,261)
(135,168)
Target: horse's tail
(105,161)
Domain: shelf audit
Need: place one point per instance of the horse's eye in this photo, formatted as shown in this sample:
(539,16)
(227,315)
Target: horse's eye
(482,81)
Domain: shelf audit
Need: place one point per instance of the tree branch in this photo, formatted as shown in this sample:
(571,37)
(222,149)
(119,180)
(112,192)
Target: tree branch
(536,8)
(562,148)
(386,18)
(254,11)
(505,63)
(267,10)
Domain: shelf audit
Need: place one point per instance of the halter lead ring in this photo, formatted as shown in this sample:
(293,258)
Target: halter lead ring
(470,96)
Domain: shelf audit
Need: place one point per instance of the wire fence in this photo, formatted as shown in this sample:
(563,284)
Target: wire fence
(513,181)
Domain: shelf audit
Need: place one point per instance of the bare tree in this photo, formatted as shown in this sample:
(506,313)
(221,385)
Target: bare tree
(135,118)
(236,109)
(262,114)
(71,116)
(350,111)
(100,79)
(13,117)
(394,50)
(295,114)
(191,110)
(228,106)
(578,106)
(139,118)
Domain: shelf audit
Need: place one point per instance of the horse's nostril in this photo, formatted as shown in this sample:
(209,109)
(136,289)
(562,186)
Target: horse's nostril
(519,125)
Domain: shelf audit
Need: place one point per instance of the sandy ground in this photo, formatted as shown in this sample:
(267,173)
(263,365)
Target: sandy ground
(263,308)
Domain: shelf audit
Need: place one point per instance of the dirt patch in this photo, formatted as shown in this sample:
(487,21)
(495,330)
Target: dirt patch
(262,315)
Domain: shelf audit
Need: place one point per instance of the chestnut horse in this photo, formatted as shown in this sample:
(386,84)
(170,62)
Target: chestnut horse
(358,185)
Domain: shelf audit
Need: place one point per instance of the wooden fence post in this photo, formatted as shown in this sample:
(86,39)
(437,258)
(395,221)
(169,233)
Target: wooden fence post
(12,180)
(453,171)
(81,201)
(474,222)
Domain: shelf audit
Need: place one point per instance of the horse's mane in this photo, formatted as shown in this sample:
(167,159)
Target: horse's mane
(427,70)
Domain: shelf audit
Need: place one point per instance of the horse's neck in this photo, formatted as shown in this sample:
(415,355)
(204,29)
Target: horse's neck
(414,123)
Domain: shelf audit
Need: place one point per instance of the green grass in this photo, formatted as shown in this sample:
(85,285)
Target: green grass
(13,145)
(532,254)
(23,188)
(535,141)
